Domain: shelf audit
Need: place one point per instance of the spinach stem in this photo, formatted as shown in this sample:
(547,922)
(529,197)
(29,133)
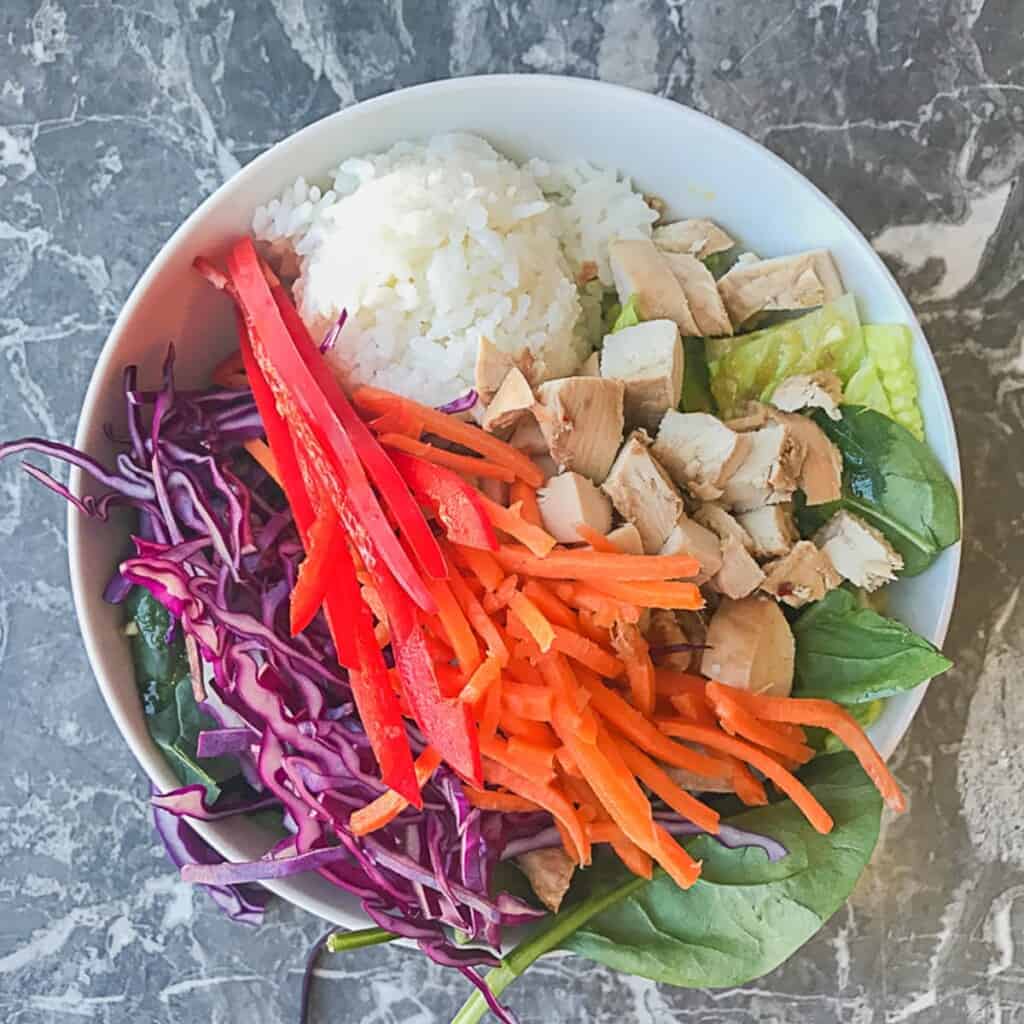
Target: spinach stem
(342,942)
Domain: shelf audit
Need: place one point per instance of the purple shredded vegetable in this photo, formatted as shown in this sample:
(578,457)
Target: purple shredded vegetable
(462,404)
(332,334)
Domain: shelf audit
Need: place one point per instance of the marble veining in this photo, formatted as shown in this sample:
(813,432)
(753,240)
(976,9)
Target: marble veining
(116,119)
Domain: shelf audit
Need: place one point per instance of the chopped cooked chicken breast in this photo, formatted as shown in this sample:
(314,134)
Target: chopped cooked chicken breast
(700,238)
(802,281)
(643,493)
(699,451)
(770,472)
(492,367)
(702,295)
(739,575)
(581,419)
(750,647)
(725,525)
(821,473)
(640,270)
(771,528)
(819,390)
(549,873)
(528,437)
(569,499)
(690,538)
(626,539)
(805,574)
(648,359)
(591,366)
(859,552)
(510,404)
(663,630)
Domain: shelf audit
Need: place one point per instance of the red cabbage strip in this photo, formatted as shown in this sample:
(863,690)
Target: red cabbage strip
(189,802)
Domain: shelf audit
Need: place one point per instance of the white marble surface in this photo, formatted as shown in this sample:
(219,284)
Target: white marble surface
(116,119)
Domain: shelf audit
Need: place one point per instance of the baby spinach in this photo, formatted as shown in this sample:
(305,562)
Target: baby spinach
(851,654)
(741,919)
(895,482)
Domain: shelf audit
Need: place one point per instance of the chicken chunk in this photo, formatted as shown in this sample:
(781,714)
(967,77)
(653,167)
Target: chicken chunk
(725,525)
(819,390)
(690,538)
(648,359)
(859,552)
(643,493)
(702,295)
(664,630)
(569,499)
(770,472)
(751,647)
(626,538)
(739,575)
(528,437)
(803,281)
(492,367)
(640,270)
(700,238)
(805,574)
(549,873)
(771,528)
(510,404)
(699,452)
(591,366)
(581,419)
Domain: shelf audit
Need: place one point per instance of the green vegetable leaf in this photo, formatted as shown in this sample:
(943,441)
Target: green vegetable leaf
(697,395)
(890,348)
(893,481)
(158,664)
(865,715)
(719,263)
(853,655)
(627,316)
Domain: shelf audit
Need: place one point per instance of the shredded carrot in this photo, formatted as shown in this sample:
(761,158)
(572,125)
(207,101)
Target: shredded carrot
(482,623)
(515,524)
(694,707)
(491,711)
(606,609)
(670,683)
(389,805)
(482,565)
(398,421)
(588,653)
(523,672)
(652,775)
(467,465)
(652,594)
(539,755)
(825,715)
(481,680)
(632,649)
(681,867)
(715,739)
(638,862)
(261,452)
(522,494)
(376,401)
(456,627)
(533,618)
(568,564)
(490,800)
(747,785)
(568,764)
(741,723)
(545,796)
(535,769)
(536,732)
(569,713)
(592,629)
(597,540)
(554,609)
(527,700)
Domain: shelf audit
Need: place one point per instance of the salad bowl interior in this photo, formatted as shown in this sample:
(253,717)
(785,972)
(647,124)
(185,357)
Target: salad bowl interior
(698,166)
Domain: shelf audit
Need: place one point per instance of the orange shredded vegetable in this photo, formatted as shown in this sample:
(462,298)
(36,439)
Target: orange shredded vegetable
(389,805)
(512,522)
(567,564)
(467,465)
(525,496)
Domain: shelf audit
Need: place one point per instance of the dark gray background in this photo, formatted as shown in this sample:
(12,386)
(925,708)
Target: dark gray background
(116,119)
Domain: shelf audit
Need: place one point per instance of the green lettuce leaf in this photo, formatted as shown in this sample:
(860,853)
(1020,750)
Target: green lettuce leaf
(627,316)
(890,349)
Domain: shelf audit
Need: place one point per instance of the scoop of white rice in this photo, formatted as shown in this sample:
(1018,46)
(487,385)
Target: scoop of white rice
(431,246)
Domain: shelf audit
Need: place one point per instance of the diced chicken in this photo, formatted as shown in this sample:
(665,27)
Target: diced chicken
(821,472)
(492,367)
(739,575)
(750,646)
(528,437)
(702,295)
(819,390)
(581,419)
(770,472)
(643,493)
(648,359)
(699,452)
(771,528)
(626,539)
(725,525)
(753,416)
(700,238)
(545,464)
(805,574)
(690,538)
(591,366)
(549,873)
(802,281)
(569,499)
(859,552)
(663,630)
(511,403)
(639,269)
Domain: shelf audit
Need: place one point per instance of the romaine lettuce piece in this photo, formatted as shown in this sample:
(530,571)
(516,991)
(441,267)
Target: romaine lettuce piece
(627,316)
(890,348)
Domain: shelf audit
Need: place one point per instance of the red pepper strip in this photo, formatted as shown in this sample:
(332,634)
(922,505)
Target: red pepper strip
(323,545)
(326,447)
(378,706)
(385,476)
(447,724)
(456,504)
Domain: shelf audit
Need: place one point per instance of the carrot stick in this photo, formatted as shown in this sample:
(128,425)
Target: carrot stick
(481,680)
(568,764)
(554,609)
(586,652)
(569,712)
(819,818)
(376,401)
(652,594)
(681,867)
(695,708)
(491,711)
(261,452)
(525,496)
(482,565)
(512,522)
(389,805)
(671,683)
(467,465)
(741,723)
(523,672)
(456,627)
(547,797)
(638,862)
(825,715)
(597,540)
(748,786)
(607,609)
(527,701)
(481,622)
(541,756)
(535,732)
(490,800)
(661,784)
(567,564)
(591,628)
(536,770)
(399,421)
(632,649)
(533,618)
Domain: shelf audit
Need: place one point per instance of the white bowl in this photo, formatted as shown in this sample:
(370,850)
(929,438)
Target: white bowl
(700,167)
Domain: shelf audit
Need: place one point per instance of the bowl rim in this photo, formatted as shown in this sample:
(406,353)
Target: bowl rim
(82,587)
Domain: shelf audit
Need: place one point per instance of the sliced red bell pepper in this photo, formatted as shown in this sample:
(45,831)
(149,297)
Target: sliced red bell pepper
(457,505)
(389,482)
(318,434)
(348,618)
(323,547)
(447,724)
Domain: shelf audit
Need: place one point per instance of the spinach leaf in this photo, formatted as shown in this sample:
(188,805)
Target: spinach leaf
(853,655)
(720,263)
(865,715)
(893,481)
(696,395)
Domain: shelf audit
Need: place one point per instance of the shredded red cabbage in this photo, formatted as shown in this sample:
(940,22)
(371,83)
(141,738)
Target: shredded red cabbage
(462,404)
(331,337)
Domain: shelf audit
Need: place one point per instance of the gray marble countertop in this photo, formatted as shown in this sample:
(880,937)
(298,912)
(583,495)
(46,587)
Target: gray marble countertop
(116,119)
